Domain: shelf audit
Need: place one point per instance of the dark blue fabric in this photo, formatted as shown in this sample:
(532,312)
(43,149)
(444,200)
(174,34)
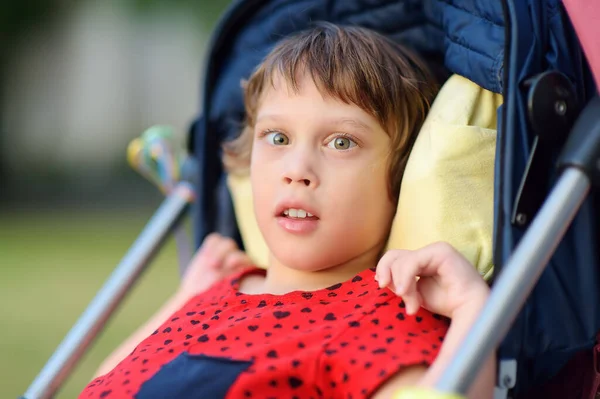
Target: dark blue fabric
(193,376)
(562,315)
(474,39)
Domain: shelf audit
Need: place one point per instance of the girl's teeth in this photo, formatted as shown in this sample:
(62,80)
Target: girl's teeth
(297,213)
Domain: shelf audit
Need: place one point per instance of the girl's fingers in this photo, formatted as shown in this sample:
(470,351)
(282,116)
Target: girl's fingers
(432,295)
(413,302)
(383,273)
(199,258)
(440,270)
(383,277)
(206,250)
(397,270)
(209,243)
(219,252)
(404,274)
(405,269)
(235,261)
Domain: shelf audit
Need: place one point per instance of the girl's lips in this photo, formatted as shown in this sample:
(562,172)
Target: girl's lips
(298,225)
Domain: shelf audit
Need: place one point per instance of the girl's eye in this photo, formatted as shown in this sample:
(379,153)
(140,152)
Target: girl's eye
(277,138)
(341,143)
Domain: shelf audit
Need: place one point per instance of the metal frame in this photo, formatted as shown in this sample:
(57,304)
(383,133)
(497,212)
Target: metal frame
(516,281)
(580,165)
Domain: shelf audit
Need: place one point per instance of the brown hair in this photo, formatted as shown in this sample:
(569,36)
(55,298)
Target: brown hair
(355,65)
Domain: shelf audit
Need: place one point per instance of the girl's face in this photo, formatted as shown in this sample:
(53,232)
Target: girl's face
(319,178)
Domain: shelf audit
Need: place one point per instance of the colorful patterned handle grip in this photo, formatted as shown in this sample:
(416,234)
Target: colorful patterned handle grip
(153,156)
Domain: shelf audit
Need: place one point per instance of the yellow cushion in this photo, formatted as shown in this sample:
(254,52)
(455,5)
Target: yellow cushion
(447,189)
(254,243)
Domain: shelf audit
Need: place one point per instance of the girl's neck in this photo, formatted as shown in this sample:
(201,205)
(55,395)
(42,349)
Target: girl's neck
(281,279)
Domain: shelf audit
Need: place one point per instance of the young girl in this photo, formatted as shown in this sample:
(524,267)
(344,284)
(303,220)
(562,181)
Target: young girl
(331,117)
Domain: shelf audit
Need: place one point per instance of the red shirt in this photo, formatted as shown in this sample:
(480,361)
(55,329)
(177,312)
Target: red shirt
(340,342)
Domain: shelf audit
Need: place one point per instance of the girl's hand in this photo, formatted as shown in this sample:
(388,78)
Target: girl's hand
(436,277)
(217,258)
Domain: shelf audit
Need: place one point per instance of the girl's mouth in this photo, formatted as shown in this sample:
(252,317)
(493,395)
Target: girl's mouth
(297,221)
(299,214)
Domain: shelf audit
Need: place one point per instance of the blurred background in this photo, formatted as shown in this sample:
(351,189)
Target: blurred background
(78,81)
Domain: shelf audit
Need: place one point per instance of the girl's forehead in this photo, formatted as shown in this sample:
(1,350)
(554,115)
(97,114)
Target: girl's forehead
(280,105)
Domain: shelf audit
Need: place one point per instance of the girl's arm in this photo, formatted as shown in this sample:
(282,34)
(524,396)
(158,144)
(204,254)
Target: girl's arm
(217,258)
(170,307)
(449,285)
(463,319)
(483,386)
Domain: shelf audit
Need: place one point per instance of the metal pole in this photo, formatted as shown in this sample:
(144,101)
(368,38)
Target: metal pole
(111,294)
(516,281)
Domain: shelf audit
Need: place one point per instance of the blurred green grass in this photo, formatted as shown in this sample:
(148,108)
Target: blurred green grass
(51,266)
